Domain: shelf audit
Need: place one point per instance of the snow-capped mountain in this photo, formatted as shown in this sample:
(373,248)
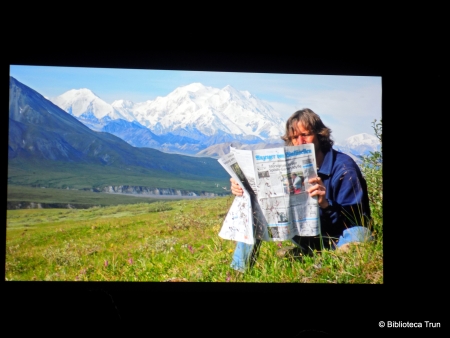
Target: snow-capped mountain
(210,110)
(83,103)
(360,144)
(124,108)
(204,115)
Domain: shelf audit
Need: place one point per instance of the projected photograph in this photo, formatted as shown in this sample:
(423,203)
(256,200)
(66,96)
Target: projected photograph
(113,173)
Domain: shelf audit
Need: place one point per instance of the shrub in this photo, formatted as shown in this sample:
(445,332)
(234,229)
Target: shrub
(372,169)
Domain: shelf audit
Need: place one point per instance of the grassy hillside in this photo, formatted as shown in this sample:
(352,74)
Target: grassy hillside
(53,174)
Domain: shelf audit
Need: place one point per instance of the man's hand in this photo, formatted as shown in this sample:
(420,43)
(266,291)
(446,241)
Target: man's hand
(236,188)
(318,189)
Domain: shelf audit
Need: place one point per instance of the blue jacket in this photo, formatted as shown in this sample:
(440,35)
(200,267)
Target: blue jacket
(346,193)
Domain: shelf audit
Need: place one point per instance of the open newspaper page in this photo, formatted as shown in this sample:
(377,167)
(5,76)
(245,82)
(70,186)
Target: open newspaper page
(245,160)
(287,208)
(238,223)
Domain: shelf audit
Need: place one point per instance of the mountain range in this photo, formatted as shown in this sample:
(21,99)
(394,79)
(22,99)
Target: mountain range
(188,120)
(40,130)
(193,120)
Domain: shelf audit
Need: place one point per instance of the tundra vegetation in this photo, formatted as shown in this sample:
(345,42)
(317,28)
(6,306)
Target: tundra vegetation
(133,239)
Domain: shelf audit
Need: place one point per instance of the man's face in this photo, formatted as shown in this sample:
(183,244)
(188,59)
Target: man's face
(304,136)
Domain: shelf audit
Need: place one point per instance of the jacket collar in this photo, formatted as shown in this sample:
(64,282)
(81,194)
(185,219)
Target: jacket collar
(327,164)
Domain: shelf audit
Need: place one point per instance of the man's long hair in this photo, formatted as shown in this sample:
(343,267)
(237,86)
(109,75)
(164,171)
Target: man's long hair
(312,122)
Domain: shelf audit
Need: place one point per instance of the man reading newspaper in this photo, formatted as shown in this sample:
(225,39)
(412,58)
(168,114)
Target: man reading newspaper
(336,184)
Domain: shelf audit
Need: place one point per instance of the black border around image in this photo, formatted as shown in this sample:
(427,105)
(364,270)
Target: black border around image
(324,309)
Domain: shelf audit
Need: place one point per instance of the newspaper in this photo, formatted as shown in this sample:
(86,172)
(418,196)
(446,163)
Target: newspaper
(275,205)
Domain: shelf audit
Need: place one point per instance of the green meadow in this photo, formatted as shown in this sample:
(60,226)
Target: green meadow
(164,242)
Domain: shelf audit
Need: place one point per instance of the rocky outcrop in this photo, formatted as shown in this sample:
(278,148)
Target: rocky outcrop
(12,205)
(139,190)
(120,189)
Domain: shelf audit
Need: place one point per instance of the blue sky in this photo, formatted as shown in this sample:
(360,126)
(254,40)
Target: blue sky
(346,104)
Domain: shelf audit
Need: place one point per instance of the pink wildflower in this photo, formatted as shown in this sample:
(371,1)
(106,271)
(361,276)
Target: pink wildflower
(106,263)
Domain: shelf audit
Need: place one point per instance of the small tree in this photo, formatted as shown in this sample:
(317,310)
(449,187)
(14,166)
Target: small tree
(372,169)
